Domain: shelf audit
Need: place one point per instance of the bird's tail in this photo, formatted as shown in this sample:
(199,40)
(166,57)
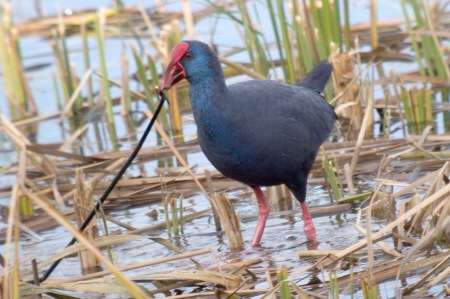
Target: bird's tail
(318,77)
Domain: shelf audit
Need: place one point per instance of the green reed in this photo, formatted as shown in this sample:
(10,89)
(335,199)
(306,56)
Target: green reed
(418,107)
(87,62)
(426,46)
(149,86)
(369,287)
(173,212)
(100,36)
(334,285)
(25,206)
(332,177)
(16,87)
(282,277)
(66,71)
(304,34)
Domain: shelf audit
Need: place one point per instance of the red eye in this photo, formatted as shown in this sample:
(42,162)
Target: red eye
(188,55)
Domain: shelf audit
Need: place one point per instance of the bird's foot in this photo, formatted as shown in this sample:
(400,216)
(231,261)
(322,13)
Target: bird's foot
(310,230)
(256,241)
(312,245)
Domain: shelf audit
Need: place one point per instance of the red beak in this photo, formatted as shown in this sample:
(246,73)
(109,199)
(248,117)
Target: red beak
(174,71)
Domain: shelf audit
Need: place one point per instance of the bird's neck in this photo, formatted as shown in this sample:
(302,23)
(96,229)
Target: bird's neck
(208,89)
(208,99)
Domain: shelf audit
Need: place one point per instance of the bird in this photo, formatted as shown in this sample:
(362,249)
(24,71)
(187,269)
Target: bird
(257,132)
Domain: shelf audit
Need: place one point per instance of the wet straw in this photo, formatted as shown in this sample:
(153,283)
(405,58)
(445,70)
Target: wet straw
(113,182)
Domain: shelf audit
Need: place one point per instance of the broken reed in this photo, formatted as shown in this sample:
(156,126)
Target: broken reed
(224,210)
(282,278)
(332,178)
(173,212)
(418,108)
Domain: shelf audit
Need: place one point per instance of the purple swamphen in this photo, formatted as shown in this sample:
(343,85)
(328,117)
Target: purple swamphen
(258,132)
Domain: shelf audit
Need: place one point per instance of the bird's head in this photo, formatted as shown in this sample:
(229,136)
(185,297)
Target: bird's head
(191,60)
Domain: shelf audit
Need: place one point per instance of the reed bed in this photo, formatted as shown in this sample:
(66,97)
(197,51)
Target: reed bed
(402,217)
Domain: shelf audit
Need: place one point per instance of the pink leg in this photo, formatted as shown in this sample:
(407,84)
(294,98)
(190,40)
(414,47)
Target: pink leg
(308,225)
(263,213)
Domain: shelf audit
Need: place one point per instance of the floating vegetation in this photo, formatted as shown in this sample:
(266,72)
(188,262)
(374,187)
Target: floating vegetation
(386,164)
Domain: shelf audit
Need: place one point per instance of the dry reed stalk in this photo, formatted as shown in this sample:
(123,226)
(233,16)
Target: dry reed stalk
(367,232)
(349,179)
(443,192)
(83,204)
(133,289)
(386,161)
(279,196)
(270,283)
(99,243)
(373,25)
(29,232)
(37,225)
(366,123)
(158,43)
(163,224)
(175,114)
(56,194)
(138,265)
(8,283)
(177,154)
(325,252)
(368,152)
(345,86)
(229,220)
(242,69)
(427,238)
(125,96)
(94,181)
(188,19)
(204,276)
(388,270)
(428,213)
(76,93)
(443,274)
(41,149)
(73,138)
(34,119)
(40,161)
(236,265)
(150,182)
(209,295)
